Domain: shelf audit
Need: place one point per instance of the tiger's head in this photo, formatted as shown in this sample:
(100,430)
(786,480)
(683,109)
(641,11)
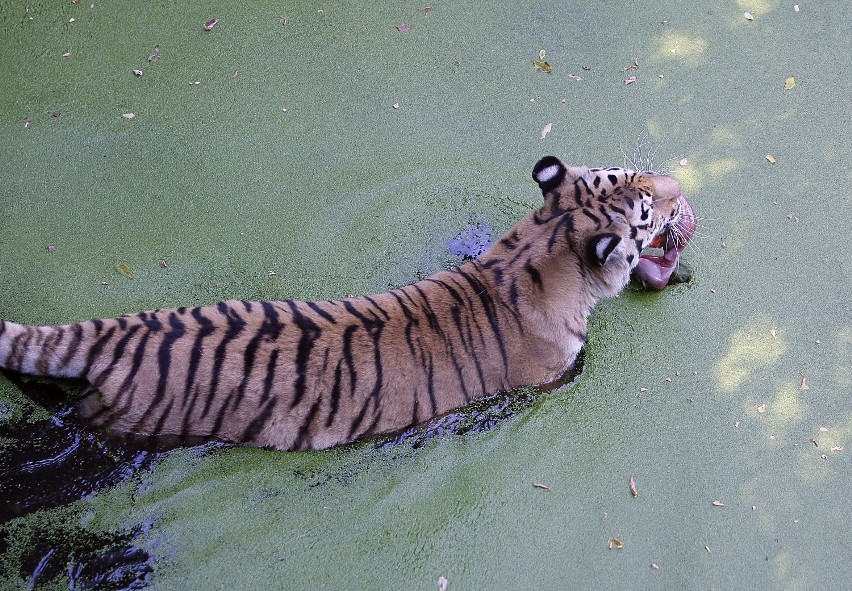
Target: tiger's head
(611,215)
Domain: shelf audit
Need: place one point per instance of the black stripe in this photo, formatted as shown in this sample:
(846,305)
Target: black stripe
(75,339)
(348,358)
(303,437)
(325,315)
(535,276)
(269,331)
(335,394)
(236,324)
(48,348)
(95,350)
(164,354)
(491,313)
(258,422)
(310,333)
(220,416)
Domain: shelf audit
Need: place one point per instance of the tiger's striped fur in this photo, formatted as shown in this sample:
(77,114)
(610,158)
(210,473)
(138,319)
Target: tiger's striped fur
(311,375)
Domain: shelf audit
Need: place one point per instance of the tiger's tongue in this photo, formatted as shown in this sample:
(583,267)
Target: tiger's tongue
(656,270)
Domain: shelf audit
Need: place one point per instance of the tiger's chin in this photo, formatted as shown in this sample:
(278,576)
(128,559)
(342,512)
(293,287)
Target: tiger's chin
(655,270)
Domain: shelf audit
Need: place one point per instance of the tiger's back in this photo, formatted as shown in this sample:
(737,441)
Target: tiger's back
(310,375)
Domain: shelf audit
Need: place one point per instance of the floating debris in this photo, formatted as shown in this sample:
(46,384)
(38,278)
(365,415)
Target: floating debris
(125,269)
(210,24)
(542,66)
(541,486)
(718,504)
(615,543)
(631,67)
(771,159)
(128,115)
(402,27)
(137,72)
(748,16)
(630,80)
(633,490)
(546,130)
(789,83)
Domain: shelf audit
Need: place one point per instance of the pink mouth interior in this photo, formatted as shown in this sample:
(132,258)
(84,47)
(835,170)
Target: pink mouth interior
(654,270)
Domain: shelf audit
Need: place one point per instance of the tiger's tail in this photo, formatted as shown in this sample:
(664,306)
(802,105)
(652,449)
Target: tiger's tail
(45,350)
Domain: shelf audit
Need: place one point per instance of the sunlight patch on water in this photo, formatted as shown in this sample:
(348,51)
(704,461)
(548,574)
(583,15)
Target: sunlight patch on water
(751,349)
(675,45)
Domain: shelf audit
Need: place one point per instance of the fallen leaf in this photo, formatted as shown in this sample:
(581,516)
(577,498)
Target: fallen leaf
(547,128)
(630,80)
(541,54)
(137,72)
(748,16)
(51,248)
(789,83)
(128,115)
(837,448)
(655,566)
(210,24)
(771,159)
(576,77)
(774,332)
(804,385)
(541,486)
(442,584)
(633,490)
(615,543)
(542,66)
(633,66)
(761,409)
(124,269)
(718,504)
(403,27)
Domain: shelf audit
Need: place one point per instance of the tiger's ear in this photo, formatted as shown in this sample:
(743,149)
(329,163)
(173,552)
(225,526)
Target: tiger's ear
(549,172)
(600,246)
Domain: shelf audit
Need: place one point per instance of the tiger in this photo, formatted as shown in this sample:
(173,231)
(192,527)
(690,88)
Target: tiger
(309,375)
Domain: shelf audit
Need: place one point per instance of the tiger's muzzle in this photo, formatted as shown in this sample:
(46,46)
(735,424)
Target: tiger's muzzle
(655,270)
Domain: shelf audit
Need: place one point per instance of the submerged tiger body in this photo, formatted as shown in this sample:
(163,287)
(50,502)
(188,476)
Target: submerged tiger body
(311,375)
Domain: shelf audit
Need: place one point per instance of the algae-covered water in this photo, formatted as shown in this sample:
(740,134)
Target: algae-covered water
(313,150)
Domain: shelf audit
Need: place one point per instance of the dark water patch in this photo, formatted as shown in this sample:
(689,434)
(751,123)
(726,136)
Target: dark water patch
(46,553)
(48,463)
(474,239)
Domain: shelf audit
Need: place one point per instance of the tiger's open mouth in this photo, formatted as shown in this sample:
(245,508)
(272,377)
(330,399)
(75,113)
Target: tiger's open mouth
(655,270)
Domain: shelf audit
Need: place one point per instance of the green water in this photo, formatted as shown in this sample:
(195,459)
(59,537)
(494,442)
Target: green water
(695,391)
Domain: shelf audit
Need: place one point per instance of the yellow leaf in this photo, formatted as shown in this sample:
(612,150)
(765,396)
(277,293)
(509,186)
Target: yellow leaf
(771,160)
(543,66)
(789,83)
(125,269)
